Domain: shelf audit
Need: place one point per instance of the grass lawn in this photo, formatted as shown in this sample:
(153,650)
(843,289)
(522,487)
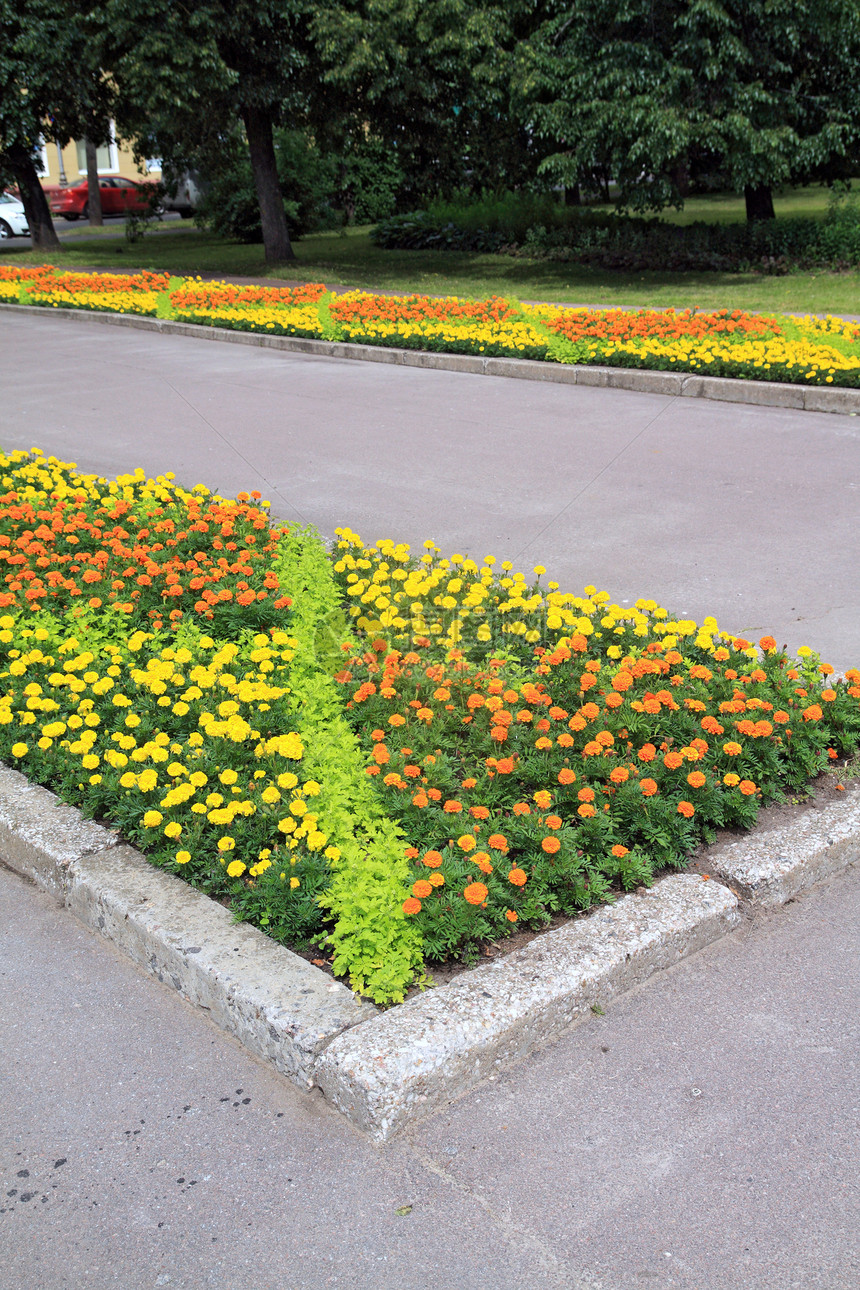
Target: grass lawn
(353,260)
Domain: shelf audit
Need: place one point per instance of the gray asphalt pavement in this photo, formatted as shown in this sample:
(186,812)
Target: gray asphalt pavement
(700,1135)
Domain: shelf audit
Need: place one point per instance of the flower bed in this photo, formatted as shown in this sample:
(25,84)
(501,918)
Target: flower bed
(395,757)
(727,343)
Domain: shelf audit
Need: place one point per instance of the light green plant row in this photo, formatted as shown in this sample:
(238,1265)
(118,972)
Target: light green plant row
(373,941)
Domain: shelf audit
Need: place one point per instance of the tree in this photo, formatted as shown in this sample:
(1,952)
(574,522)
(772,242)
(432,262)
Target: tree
(430,77)
(50,89)
(187,74)
(656,92)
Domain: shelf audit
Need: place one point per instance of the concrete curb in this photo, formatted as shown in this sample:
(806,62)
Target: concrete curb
(772,394)
(279,1006)
(775,867)
(386,1070)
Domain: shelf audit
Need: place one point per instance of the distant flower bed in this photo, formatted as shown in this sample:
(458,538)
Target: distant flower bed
(730,343)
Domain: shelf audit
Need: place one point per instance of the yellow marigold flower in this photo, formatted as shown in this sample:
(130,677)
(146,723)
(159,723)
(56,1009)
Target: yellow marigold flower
(19,750)
(228,776)
(226,843)
(152,819)
(172,830)
(182,857)
(235,869)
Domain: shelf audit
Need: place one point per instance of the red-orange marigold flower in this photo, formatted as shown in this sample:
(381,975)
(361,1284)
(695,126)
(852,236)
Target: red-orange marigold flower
(476,893)
(647,752)
(687,809)
(511,915)
(411,905)
(747,787)
(421,888)
(432,859)
(648,786)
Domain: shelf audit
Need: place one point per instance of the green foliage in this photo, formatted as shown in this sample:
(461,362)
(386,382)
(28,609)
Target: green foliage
(372,940)
(543,228)
(655,95)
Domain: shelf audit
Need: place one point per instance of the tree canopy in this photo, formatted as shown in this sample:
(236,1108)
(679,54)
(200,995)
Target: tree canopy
(655,92)
(51,90)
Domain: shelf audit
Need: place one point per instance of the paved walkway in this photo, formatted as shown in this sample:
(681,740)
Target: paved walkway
(702,1134)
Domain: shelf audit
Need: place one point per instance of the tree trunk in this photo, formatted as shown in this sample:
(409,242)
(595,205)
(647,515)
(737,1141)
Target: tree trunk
(35,202)
(276,237)
(94,197)
(759,202)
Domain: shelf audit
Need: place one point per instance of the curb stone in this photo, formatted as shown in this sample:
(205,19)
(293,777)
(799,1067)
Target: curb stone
(385,1070)
(725,389)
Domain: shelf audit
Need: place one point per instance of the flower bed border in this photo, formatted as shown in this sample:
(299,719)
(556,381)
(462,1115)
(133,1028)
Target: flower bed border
(806,398)
(384,1071)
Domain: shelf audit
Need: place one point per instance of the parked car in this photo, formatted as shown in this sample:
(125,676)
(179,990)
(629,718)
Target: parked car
(189,190)
(13,220)
(118,196)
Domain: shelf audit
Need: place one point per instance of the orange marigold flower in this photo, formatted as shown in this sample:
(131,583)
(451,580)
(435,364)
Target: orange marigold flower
(497,841)
(479,812)
(566,776)
(648,786)
(812,713)
(696,779)
(411,905)
(542,798)
(483,861)
(522,808)
(436,879)
(767,643)
(747,787)
(505,765)
(553,821)
(466,842)
(619,851)
(452,808)
(511,916)
(476,893)
(420,799)
(432,859)
(380,754)
(673,760)
(421,888)
(518,877)
(647,752)
(585,795)
(619,774)
(586,811)
(687,809)
(552,845)
(732,749)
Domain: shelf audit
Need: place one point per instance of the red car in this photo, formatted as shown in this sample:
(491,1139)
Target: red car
(118,196)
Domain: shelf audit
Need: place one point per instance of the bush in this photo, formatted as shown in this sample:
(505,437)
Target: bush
(542,228)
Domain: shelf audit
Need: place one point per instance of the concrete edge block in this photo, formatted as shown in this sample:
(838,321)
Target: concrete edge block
(642,381)
(819,398)
(282,1008)
(41,837)
(412,1059)
(772,868)
(771,394)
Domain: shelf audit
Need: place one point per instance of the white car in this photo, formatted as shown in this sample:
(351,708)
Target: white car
(13,221)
